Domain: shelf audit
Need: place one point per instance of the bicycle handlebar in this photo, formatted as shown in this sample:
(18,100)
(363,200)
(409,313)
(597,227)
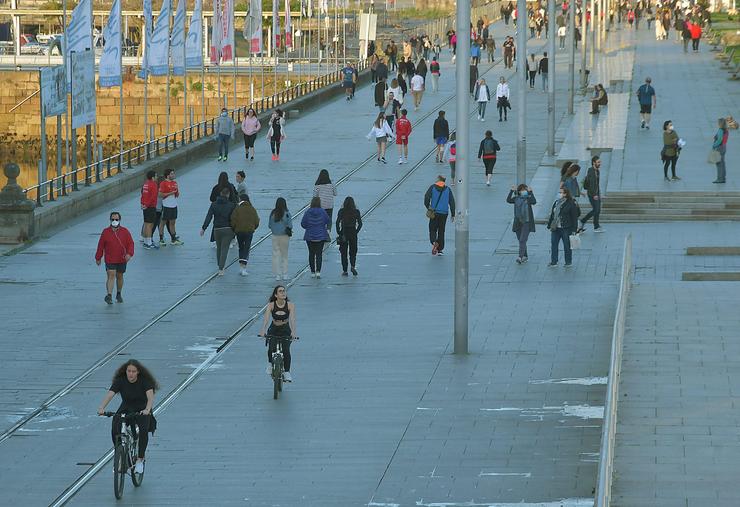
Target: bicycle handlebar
(111,414)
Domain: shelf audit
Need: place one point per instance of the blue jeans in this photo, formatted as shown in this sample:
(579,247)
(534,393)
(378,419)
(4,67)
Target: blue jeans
(595,211)
(544,81)
(556,236)
(223,144)
(721,169)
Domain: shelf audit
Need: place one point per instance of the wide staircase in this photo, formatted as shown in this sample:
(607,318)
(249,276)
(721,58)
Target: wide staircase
(670,206)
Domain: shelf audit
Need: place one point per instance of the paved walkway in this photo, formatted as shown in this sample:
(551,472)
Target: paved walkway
(692,91)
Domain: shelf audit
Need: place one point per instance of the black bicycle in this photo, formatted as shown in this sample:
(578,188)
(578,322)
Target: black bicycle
(278,366)
(125,453)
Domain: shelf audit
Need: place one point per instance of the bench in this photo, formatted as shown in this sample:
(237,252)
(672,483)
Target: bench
(728,62)
(725,56)
(735,72)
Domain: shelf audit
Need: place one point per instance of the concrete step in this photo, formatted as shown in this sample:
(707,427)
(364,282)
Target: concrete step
(668,212)
(713,250)
(664,205)
(674,194)
(625,218)
(709,276)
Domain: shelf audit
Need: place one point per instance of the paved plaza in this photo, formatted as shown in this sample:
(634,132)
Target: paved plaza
(381,413)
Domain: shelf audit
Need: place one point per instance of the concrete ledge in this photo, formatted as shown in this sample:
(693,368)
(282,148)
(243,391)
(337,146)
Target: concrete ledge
(53,214)
(713,250)
(718,276)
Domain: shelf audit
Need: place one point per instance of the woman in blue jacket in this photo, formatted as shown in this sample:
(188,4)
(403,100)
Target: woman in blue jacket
(315,221)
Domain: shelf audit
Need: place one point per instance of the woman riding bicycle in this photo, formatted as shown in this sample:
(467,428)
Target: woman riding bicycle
(283,326)
(136,385)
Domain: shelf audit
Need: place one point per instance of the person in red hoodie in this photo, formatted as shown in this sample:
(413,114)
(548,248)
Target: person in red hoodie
(403,130)
(149,193)
(695,31)
(117,246)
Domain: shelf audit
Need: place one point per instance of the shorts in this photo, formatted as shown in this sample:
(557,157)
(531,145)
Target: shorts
(347,84)
(646,108)
(169,213)
(404,141)
(381,139)
(117,267)
(150,215)
(441,140)
(249,140)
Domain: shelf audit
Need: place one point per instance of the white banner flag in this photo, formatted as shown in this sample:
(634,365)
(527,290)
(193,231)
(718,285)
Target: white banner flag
(78,36)
(194,41)
(159,50)
(222,35)
(255,23)
(82,70)
(147,37)
(178,40)
(216,31)
(110,61)
(275,27)
(288,27)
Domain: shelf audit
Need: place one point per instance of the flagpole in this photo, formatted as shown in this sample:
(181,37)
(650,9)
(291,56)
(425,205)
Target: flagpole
(145,41)
(120,91)
(169,31)
(233,51)
(67,103)
(204,38)
(186,119)
(251,84)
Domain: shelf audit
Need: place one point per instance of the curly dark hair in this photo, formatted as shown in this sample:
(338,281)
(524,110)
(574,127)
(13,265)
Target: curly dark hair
(143,373)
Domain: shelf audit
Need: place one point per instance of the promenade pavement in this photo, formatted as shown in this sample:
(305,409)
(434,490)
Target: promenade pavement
(381,413)
(693,92)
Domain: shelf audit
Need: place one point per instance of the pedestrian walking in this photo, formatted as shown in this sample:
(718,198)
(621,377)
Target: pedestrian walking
(592,186)
(381,70)
(719,147)
(396,90)
(451,156)
(149,194)
(695,30)
(158,219)
(220,212)
(349,223)
(487,151)
(571,181)
(482,95)
(475,52)
(473,78)
(671,149)
(244,221)
(440,133)
(532,69)
(241,183)
(502,98)
(562,222)
(281,226)
(417,90)
(403,131)
(224,132)
(381,132)
(422,70)
(276,133)
(647,98)
(224,183)
(490,48)
(325,190)
(437,200)
(508,52)
(685,36)
(348,80)
(250,126)
(562,33)
(522,197)
(316,222)
(170,193)
(395,107)
(379,93)
(434,68)
(283,326)
(116,247)
(543,69)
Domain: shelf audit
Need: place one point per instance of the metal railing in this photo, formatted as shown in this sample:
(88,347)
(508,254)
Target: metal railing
(70,181)
(608,432)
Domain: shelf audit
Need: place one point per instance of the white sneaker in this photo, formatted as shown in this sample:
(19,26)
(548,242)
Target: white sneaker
(600,229)
(243,272)
(313,275)
(139,468)
(287,377)
(318,274)
(285,276)
(400,160)
(278,278)
(268,369)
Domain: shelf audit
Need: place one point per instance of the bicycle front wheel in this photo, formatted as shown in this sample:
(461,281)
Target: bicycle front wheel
(119,470)
(137,479)
(277,378)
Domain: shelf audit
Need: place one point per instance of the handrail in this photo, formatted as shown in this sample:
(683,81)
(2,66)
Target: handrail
(19,104)
(608,431)
(68,181)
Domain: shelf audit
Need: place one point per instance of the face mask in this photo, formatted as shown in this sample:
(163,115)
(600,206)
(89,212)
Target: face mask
(114,223)
(524,193)
(223,113)
(560,196)
(670,128)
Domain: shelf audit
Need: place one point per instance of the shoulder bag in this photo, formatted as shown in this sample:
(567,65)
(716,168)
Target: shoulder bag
(714,156)
(430,211)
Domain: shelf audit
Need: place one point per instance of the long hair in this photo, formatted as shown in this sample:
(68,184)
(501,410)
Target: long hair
(722,123)
(568,195)
(273,296)
(223,180)
(564,169)
(394,83)
(251,110)
(315,202)
(379,119)
(281,208)
(143,373)
(349,204)
(323,178)
(572,170)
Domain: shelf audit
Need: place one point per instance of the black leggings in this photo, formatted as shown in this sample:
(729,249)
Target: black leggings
(142,429)
(275,146)
(282,331)
(315,255)
(672,162)
(349,246)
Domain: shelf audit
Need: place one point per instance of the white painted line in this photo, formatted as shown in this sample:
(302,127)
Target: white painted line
(584,381)
(563,502)
(505,474)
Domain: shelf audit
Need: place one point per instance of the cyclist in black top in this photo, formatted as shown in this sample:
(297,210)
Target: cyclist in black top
(136,385)
(283,325)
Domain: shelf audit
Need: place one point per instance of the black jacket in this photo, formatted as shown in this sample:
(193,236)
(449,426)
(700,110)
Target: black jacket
(220,211)
(591,182)
(216,191)
(348,223)
(380,88)
(569,214)
(381,71)
(441,128)
(511,198)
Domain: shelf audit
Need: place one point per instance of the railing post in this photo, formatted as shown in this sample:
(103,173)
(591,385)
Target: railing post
(107,169)
(156,147)
(88,175)
(129,159)
(197,132)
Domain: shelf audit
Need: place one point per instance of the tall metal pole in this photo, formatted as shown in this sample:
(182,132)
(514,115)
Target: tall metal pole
(43,162)
(233,58)
(571,55)
(462,230)
(521,69)
(204,55)
(186,119)
(551,77)
(120,91)
(584,38)
(592,34)
(67,70)
(169,30)
(596,18)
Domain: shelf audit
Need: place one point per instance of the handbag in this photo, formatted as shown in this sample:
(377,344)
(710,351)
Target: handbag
(289,231)
(430,211)
(714,156)
(575,241)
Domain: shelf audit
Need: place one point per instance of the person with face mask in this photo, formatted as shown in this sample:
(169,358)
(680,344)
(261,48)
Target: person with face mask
(117,247)
(669,153)
(562,223)
(502,98)
(523,199)
(224,131)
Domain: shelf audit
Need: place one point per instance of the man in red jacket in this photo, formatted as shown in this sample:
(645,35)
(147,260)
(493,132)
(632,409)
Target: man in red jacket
(117,245)
(149,206)
(403,130)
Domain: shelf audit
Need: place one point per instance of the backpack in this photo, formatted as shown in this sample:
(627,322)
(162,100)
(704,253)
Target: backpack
(349,220)
(521,210)
(490,146)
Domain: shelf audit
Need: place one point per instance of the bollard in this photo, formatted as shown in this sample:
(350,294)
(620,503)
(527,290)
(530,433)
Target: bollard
(16,210)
